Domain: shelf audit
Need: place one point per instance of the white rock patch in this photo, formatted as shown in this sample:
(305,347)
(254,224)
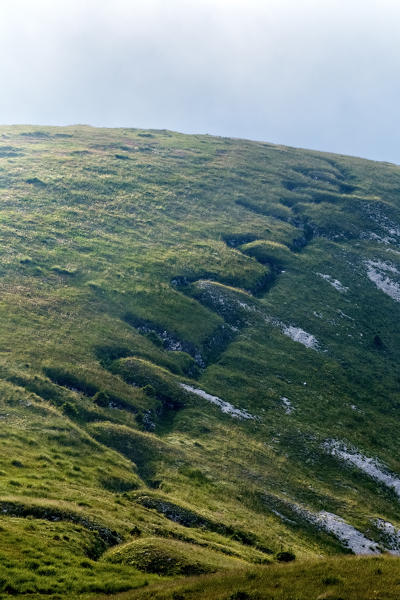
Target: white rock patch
(376,270)
(393,230)
(225,407)
(342,314)
(246,306)
(219,297)
(348,535)
(370,466)
(384,222)
(334,283)
(382,266)
(301,336)
(282,517)
(222,298)
(370,235)
(391,535)
(287,405)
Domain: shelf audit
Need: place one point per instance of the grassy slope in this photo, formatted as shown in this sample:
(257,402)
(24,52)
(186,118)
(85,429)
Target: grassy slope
(104,237)
(353,579)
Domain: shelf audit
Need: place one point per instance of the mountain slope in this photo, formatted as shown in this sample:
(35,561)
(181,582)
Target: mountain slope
(199,342)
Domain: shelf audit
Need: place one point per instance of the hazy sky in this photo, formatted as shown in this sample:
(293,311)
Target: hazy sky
(321,74)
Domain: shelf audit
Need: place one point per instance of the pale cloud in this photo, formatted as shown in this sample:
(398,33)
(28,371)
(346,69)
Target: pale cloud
(299,72)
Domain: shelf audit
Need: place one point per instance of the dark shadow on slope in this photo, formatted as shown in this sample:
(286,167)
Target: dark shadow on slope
(36,134)
(204,354)
(169,340)
(178,363)
(65,379)
(268,209)
(144,449)
(189,518)
(10,151)
(319,175)
(165,396)
(297,244)
(235,240)
(106,537)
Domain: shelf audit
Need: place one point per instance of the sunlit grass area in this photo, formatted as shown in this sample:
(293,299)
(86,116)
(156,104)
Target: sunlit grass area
(199,343)
(351,578)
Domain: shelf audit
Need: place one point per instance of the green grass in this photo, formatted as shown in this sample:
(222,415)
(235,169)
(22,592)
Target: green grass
(353,579)
(170,557)
(134,261)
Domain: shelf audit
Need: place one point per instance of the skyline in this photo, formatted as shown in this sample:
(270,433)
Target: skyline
(299,74)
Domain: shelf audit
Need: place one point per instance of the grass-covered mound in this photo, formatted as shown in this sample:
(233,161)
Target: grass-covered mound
(170,557)
(57,559)
(276,254)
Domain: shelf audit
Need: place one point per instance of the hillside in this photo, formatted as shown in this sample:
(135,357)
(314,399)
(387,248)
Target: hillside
(199,343)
